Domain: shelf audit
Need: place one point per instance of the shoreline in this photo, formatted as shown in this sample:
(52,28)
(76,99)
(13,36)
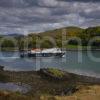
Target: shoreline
(79,72)
(85,74)
(67,49)
(43,83)
(81,77)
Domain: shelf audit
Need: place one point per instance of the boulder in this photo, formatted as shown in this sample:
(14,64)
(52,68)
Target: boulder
(1,68)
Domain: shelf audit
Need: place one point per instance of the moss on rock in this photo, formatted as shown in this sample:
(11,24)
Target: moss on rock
(56,72)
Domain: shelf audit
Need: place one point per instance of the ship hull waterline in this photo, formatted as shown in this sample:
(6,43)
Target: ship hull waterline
(42,55)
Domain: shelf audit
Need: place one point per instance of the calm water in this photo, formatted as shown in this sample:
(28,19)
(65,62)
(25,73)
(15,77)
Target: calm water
(14,87)
(70,63)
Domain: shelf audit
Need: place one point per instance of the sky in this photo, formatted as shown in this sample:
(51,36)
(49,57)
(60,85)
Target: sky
(26,16)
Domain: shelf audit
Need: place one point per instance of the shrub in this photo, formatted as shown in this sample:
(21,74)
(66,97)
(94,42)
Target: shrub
(56,72)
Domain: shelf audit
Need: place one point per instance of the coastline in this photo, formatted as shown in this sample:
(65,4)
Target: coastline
(44,84)
(80,77)
(66,49)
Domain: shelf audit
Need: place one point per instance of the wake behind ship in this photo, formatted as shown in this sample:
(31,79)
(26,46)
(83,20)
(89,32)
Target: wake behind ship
(57,52)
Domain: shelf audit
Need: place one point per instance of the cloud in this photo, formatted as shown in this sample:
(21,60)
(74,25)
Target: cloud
(51,3)
(18,3)
(41,15)
(80,0)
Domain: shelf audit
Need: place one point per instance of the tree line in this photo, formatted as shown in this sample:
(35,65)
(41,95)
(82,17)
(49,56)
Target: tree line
(52,38)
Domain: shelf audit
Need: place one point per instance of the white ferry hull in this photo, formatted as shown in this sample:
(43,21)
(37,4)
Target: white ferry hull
(43,53)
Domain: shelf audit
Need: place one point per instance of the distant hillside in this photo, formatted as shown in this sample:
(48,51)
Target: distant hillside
(84,34)
(70,31)
(94,31)
(12,35)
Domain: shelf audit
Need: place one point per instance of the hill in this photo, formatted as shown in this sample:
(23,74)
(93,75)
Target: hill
(12,35)
(69,31)
(84,34)
(56,35)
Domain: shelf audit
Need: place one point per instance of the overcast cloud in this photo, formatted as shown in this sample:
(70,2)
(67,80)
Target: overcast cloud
(25,16)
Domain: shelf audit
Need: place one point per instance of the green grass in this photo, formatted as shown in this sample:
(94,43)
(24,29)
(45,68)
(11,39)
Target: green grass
(56,72)
(75,47)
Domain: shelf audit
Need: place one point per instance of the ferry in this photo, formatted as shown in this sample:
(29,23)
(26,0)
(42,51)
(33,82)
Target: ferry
(56,52)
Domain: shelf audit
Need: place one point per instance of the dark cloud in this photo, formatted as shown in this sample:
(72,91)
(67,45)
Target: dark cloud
(41,15)
(18,3)
(92,14)
(80,0)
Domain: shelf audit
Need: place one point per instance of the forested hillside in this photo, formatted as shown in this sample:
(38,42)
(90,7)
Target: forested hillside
(45,38)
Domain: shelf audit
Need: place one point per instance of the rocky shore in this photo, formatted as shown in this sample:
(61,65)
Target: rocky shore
(52,82)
